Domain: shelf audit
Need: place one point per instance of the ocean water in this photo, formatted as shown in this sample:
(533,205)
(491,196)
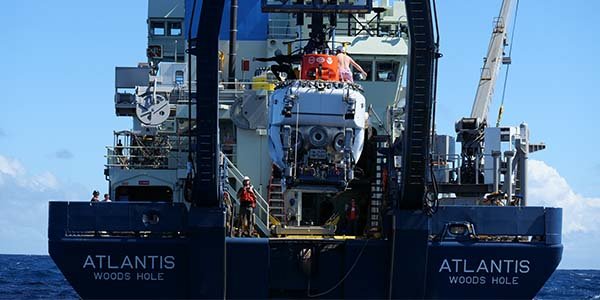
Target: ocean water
(36,277)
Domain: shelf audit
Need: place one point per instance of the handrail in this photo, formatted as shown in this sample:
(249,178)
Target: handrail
(261,203)
(238,175)
(259,222)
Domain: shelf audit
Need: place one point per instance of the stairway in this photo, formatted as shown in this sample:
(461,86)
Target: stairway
(276,200)
(377,185)
(262,206)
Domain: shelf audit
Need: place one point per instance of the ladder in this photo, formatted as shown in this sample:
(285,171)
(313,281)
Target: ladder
(377,185)
(276,199)
(419,102)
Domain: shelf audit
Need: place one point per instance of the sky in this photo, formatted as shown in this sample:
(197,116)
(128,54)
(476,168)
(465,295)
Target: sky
(57,109)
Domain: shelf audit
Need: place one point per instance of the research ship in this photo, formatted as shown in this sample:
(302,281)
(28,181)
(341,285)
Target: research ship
(207,111)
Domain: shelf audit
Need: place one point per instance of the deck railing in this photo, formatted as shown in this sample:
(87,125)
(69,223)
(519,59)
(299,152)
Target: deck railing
(262,206)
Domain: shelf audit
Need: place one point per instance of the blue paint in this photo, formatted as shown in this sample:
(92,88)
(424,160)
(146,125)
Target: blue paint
(252,23)
(36,277)
(343,268)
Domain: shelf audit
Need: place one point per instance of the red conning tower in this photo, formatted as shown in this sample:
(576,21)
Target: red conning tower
(320,67)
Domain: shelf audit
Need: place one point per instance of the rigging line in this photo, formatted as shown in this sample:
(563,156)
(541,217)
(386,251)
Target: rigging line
(512,36)
(432,209)
(189,64)
(343,278)
(296,141)
(437,29)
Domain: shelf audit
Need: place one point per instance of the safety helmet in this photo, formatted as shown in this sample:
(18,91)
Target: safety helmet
(246,178)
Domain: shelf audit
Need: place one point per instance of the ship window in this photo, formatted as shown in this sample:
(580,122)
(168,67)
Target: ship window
(228,139)
(157,28)
(183,126)
(179,80)
(367,66)
(174,28)
(387,71)
(144,194)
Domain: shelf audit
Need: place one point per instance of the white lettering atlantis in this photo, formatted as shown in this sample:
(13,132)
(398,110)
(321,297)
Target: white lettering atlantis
(490,266)
(146,262)
(482,266)
(126,262)
(89,262)
(445,266)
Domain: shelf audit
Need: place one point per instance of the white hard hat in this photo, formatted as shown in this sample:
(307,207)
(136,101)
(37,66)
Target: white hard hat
(246,178)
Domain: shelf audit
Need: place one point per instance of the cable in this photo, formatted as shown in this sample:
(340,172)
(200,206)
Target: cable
(512,36)
(431,209)
(343,278)
(191,26)
(437,30)
(296,141)
(188,184)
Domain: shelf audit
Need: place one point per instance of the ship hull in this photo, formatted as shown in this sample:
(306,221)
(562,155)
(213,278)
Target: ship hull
(195,260)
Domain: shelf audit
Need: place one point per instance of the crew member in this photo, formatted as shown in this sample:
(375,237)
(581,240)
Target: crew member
(344,62)
(247,198)
(351,218)
(95,196)
(284,64)
(122,161)
(107,198)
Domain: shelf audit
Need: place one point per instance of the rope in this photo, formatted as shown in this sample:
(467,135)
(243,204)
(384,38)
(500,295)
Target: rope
(190,80)
(296,141)
(341,280)
(431,205)
(512,36)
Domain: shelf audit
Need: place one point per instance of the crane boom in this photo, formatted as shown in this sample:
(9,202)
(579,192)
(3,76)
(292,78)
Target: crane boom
(491,65)
(471,129)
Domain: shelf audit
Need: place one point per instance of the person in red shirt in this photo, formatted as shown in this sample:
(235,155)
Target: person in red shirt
(247,197)
(352,218)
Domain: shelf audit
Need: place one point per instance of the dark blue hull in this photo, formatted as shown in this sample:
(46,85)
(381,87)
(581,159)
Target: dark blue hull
(190,259)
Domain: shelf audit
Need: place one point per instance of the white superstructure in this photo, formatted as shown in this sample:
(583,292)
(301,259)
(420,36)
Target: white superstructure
(150,161)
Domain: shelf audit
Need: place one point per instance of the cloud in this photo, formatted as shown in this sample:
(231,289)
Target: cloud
(10,167)
(63,154)
(24,204)
(548,188)
(581,215)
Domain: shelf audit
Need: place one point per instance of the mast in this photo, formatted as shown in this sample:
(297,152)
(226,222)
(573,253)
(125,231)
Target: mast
(233,11)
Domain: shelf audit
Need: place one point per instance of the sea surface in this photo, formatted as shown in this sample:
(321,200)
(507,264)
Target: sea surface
(36,277)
